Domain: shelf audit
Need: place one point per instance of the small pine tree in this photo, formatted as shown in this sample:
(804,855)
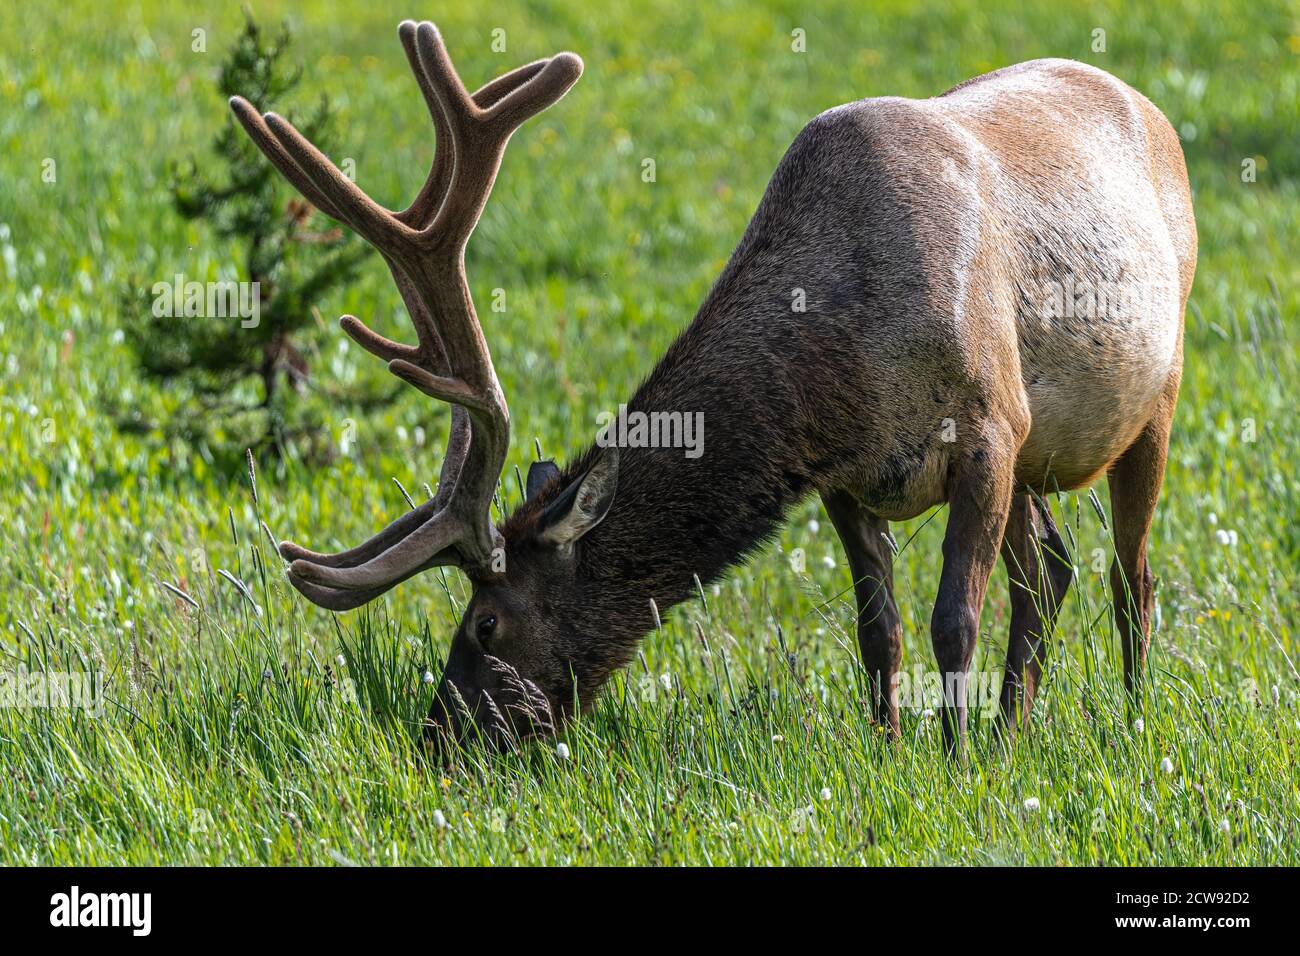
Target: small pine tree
(241,375)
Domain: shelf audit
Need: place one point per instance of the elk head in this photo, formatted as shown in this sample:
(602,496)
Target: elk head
(507,672)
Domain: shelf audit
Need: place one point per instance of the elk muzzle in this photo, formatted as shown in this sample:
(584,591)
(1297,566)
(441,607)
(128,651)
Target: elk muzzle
(499,712)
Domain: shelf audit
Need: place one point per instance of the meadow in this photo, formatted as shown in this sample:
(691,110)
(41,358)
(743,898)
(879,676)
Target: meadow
(240,724)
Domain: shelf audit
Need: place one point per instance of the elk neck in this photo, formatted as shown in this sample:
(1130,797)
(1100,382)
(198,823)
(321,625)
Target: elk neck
(687,512)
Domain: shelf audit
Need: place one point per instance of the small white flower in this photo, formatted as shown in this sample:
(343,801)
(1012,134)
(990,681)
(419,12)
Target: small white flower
(1031,804)
(927,714)
(1167,765)
(1139,726)
(666,680)
(439,820)
(428,677)
(1277,695)
(813,526)
(1226,538)
(825,794)
(829,560)
(1225,826)
(1212,518)
(562,751)
(777,738)
(340,660)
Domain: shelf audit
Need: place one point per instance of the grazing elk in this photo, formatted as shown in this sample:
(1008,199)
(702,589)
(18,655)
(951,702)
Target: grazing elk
(937,249)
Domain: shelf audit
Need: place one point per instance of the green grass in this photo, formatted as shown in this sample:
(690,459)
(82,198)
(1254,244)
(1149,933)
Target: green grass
(232,735)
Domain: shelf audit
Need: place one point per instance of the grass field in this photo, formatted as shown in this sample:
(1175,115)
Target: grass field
(258,729)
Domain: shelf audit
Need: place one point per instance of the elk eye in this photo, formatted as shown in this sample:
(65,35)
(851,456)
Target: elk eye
(486,625)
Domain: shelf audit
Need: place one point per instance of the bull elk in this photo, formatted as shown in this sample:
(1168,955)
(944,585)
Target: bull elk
(924,364)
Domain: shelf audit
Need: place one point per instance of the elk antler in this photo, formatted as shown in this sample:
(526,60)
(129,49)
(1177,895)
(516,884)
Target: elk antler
(424,247)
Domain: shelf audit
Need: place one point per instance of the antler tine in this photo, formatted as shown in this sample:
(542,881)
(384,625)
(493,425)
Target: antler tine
(540,92)
(371,548)
(430,196)
(267,142)
(273,147)
(317,178)
(480,132)
(426,204)
(430,349)
(379,226)
(493,91)
(340,599)
(442,534)
(457,446)
(443,79)
(334,599)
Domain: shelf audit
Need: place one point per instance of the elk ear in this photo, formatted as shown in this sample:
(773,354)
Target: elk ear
(582,505)
(539,473)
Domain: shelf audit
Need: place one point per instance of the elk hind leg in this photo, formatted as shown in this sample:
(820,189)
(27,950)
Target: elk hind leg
(1040,575)
(1134,482)
(979,499)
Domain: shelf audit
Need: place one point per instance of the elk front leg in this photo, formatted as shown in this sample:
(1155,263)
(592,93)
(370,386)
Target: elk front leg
(880,631)
(1040,575)
(979,497)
